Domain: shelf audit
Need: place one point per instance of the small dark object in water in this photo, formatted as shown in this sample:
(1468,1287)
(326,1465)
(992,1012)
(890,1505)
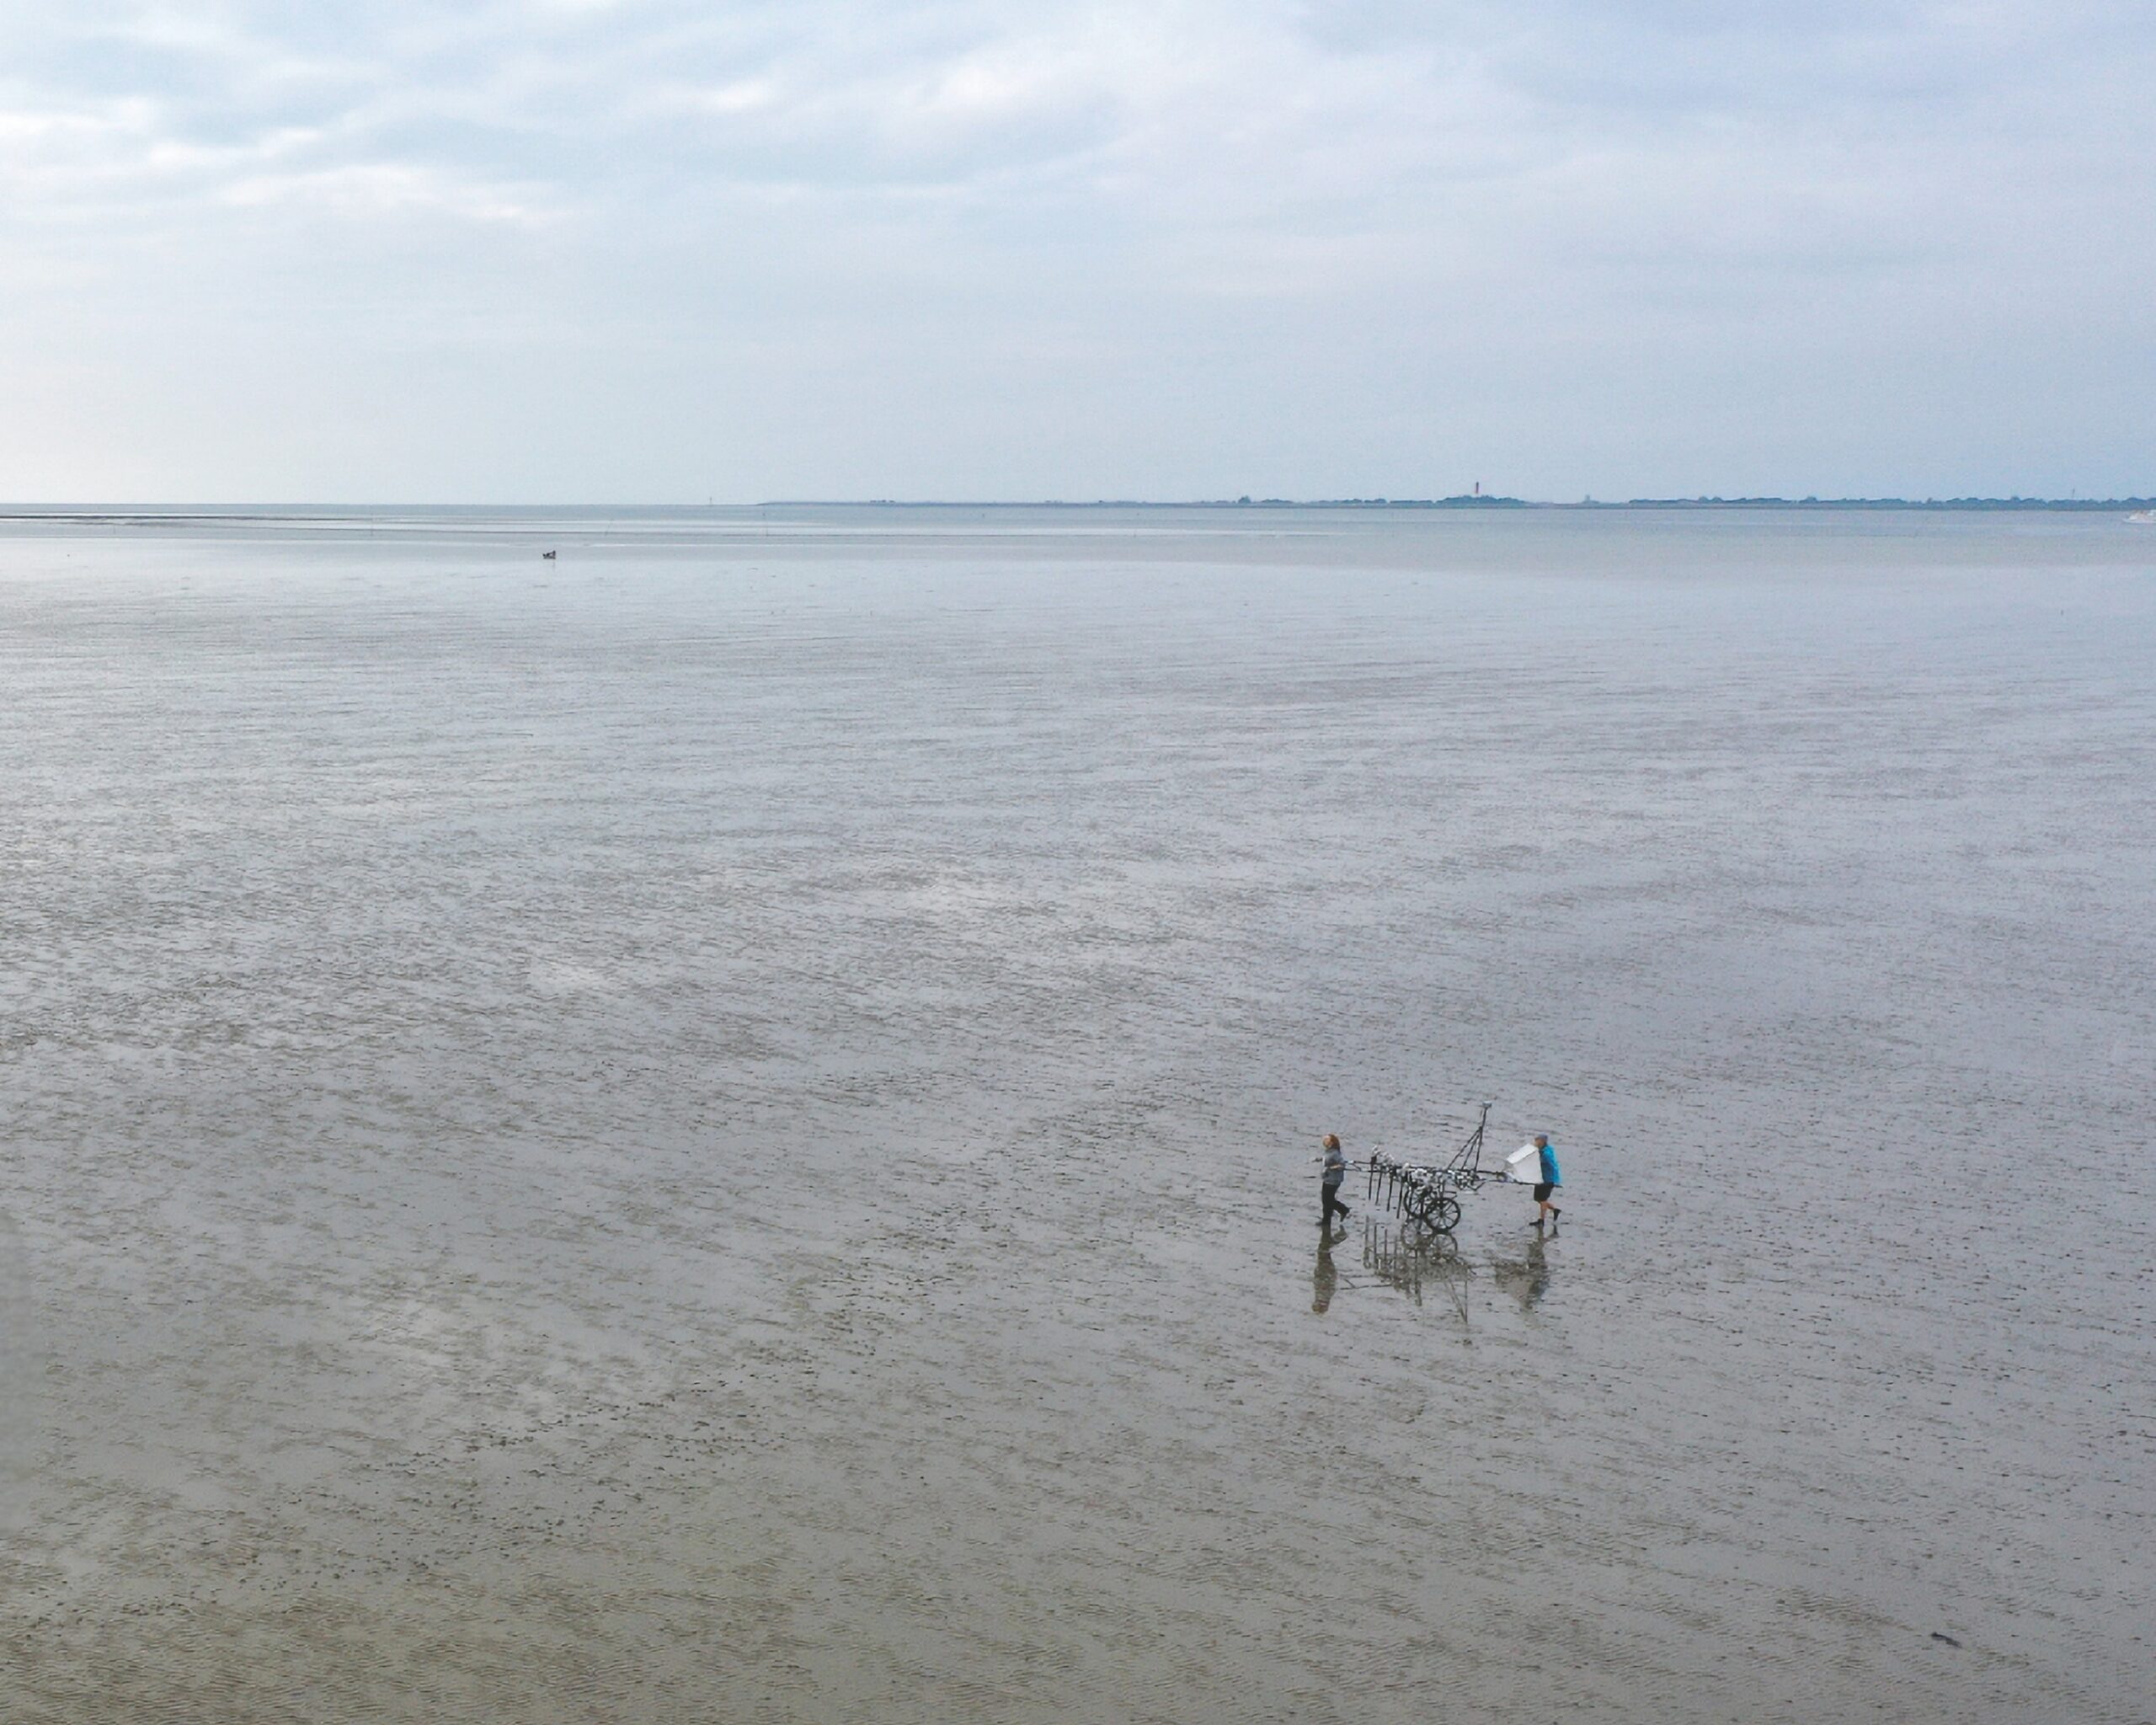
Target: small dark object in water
(1948,1639)
(547,555)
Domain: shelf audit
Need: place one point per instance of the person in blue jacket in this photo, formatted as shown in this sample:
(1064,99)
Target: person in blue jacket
(1546,1212)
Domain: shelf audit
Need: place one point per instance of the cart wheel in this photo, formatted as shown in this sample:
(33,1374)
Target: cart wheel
(1444,1215)
(1421,1203)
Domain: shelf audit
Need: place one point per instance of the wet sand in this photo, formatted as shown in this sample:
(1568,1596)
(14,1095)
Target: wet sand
(720,1129)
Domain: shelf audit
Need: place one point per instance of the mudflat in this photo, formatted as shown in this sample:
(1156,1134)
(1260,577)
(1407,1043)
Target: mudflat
(719,1127)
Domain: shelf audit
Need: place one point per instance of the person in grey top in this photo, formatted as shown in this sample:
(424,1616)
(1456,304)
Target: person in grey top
(1336,1171)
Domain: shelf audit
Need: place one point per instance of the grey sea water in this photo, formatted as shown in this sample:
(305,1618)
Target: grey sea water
(720,1127)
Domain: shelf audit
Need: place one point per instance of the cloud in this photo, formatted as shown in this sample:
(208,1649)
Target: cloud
(1392,196)
(373,191)
(1314,117)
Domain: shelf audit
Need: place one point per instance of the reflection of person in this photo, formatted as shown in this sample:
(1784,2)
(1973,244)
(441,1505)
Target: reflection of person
(1538,1277)
(1326,1278)
(1528,1280)
(1544,1210)
(1336,1171)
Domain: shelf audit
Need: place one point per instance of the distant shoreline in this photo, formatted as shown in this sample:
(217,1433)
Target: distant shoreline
(1477,502)
(147,514)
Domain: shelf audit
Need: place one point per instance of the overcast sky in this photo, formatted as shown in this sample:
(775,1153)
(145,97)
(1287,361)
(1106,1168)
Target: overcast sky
(586,251)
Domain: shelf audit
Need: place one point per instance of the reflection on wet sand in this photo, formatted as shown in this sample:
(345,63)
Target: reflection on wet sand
(1415,1259)
(1525,1278)
(1412,1258)
(1326,1278)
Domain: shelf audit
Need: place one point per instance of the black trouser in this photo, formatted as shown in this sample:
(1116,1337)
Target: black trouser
(1331,1202)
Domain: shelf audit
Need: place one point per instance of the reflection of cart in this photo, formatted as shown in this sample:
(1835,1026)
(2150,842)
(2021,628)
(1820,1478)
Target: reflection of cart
(1411,1258)
(1429,1195)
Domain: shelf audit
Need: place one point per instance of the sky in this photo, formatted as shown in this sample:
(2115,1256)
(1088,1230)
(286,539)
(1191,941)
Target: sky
(579,251)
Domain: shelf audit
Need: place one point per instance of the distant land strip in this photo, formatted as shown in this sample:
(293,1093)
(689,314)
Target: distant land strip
(1483,501)
(371,513)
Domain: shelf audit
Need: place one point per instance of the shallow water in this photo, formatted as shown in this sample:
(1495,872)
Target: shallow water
(719,1129)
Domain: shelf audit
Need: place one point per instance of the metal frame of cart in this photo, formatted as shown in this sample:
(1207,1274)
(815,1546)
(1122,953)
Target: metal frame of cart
(1429,1194)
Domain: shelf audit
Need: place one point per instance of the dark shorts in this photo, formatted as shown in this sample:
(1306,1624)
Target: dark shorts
(1543,1188)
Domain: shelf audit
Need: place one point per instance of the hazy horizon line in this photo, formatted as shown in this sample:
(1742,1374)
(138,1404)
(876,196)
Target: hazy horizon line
(1464,501)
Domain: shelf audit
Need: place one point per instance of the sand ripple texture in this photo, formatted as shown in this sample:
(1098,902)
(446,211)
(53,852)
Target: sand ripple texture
(719,1129)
